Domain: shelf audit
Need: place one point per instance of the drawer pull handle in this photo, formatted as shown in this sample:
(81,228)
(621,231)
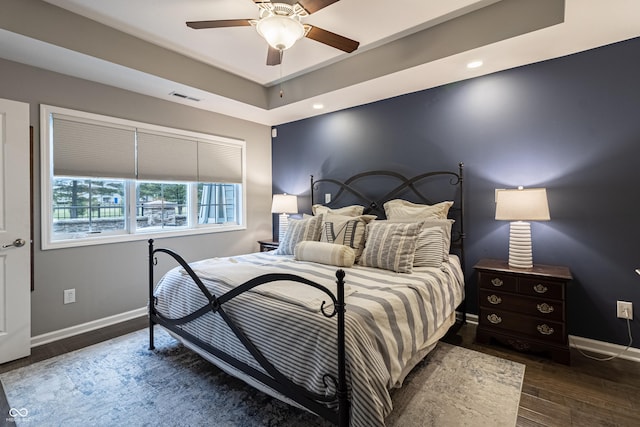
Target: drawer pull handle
(494,318)
(545,329)
(540,288)
(497,282)
(545,308)
(494,299)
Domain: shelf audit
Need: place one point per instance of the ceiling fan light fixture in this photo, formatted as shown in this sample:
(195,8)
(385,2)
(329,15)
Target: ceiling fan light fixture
(281,32)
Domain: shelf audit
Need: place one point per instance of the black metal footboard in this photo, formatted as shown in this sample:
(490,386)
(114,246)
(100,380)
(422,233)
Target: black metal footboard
(273,378)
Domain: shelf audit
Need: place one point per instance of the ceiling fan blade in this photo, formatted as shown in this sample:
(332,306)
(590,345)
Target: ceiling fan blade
(312,6)
(332,39)
(289,2)
(221,23)
(274,56)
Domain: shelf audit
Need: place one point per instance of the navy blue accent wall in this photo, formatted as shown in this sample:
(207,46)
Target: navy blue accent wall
(571,125)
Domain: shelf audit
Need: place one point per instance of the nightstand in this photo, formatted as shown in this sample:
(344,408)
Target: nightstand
(524,308)
(268,245)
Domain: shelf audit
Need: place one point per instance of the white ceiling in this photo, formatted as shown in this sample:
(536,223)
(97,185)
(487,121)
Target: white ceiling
(241,51)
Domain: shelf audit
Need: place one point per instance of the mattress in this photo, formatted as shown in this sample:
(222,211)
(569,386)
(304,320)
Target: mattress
(392,320)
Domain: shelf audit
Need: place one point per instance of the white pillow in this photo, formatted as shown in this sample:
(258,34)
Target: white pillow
(390,246)
(353,210)
(325,253)
(402,209)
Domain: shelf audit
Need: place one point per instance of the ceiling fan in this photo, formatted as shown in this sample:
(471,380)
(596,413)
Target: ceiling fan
(280,24)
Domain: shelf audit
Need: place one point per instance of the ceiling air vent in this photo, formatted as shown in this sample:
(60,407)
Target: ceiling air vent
(183,96)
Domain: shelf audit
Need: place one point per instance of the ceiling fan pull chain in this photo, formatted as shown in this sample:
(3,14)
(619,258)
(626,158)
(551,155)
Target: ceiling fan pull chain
(281,91)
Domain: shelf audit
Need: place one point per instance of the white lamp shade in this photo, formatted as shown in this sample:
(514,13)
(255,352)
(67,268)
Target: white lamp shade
(528,204)
(281,32)
(521,205)
(284,203)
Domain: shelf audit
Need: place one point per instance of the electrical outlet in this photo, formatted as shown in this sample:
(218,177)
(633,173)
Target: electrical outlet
(69,296)
(625,310)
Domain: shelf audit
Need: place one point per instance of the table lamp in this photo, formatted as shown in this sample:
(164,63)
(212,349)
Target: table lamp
(284,204)
(519,206)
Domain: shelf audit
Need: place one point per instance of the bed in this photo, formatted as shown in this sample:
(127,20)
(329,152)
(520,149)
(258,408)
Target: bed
(322,323)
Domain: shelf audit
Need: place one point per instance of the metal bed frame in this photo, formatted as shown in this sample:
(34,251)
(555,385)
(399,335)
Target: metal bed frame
(405,185)
(272,377)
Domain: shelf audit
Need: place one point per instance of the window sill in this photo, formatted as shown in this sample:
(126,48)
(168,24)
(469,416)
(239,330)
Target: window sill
(121,238)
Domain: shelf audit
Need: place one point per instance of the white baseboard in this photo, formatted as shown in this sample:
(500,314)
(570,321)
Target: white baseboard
(600,348)
(86,327)
(584,344)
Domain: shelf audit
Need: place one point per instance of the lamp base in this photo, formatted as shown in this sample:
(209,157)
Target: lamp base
(283,224)
(520,254)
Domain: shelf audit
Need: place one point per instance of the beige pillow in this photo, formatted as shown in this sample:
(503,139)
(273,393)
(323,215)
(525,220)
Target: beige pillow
(401,209)
(299,230)
(345,230)
(426,238)
(353,210)
(429,247)
(325,253)
(445,225)
(390,246)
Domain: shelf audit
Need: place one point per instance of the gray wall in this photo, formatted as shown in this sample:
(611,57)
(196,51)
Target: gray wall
(571,125)
(112,279)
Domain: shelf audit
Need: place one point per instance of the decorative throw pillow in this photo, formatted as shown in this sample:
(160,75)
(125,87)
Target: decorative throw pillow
(345,230)
(445,225)
(399,209)
(353,210)
(299,230)
(325,253)
(423,239)
(390,246)
(429,247)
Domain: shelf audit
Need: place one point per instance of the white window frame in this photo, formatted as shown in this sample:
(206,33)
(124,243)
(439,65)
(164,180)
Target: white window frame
(46,186)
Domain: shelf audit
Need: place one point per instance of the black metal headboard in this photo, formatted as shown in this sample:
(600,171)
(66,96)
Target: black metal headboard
(374,188)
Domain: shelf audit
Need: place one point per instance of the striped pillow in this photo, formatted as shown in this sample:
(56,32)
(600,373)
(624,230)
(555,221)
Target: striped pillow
(299,230)
(390,246)
(429,247)
(445,227)
(345,230)
(423,239)
(325,253)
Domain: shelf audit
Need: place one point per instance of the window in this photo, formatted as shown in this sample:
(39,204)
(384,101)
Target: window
(107,180)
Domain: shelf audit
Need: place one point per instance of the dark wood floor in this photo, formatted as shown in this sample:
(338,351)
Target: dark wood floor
(587,393)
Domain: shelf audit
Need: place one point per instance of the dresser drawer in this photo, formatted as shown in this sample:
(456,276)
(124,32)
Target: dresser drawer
(540,329)
(541,288)
(539,307)
(524,308)
(498,282)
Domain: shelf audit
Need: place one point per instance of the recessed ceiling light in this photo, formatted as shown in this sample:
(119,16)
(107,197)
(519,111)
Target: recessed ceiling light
(474,64)
(318,106)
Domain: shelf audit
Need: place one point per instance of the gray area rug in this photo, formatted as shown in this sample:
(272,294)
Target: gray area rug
(120,382)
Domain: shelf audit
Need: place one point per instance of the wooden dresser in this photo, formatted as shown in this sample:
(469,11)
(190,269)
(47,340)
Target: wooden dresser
(525,308)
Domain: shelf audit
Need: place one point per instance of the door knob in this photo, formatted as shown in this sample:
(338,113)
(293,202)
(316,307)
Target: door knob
(17,243)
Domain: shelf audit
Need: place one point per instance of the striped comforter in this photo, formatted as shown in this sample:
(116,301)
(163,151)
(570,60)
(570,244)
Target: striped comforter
(391,320)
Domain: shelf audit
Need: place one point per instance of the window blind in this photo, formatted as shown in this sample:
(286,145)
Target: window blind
(218,162)
(91,149)
(166,158)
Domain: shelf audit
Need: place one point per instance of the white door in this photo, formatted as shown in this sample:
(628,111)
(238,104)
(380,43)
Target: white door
(15,248)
